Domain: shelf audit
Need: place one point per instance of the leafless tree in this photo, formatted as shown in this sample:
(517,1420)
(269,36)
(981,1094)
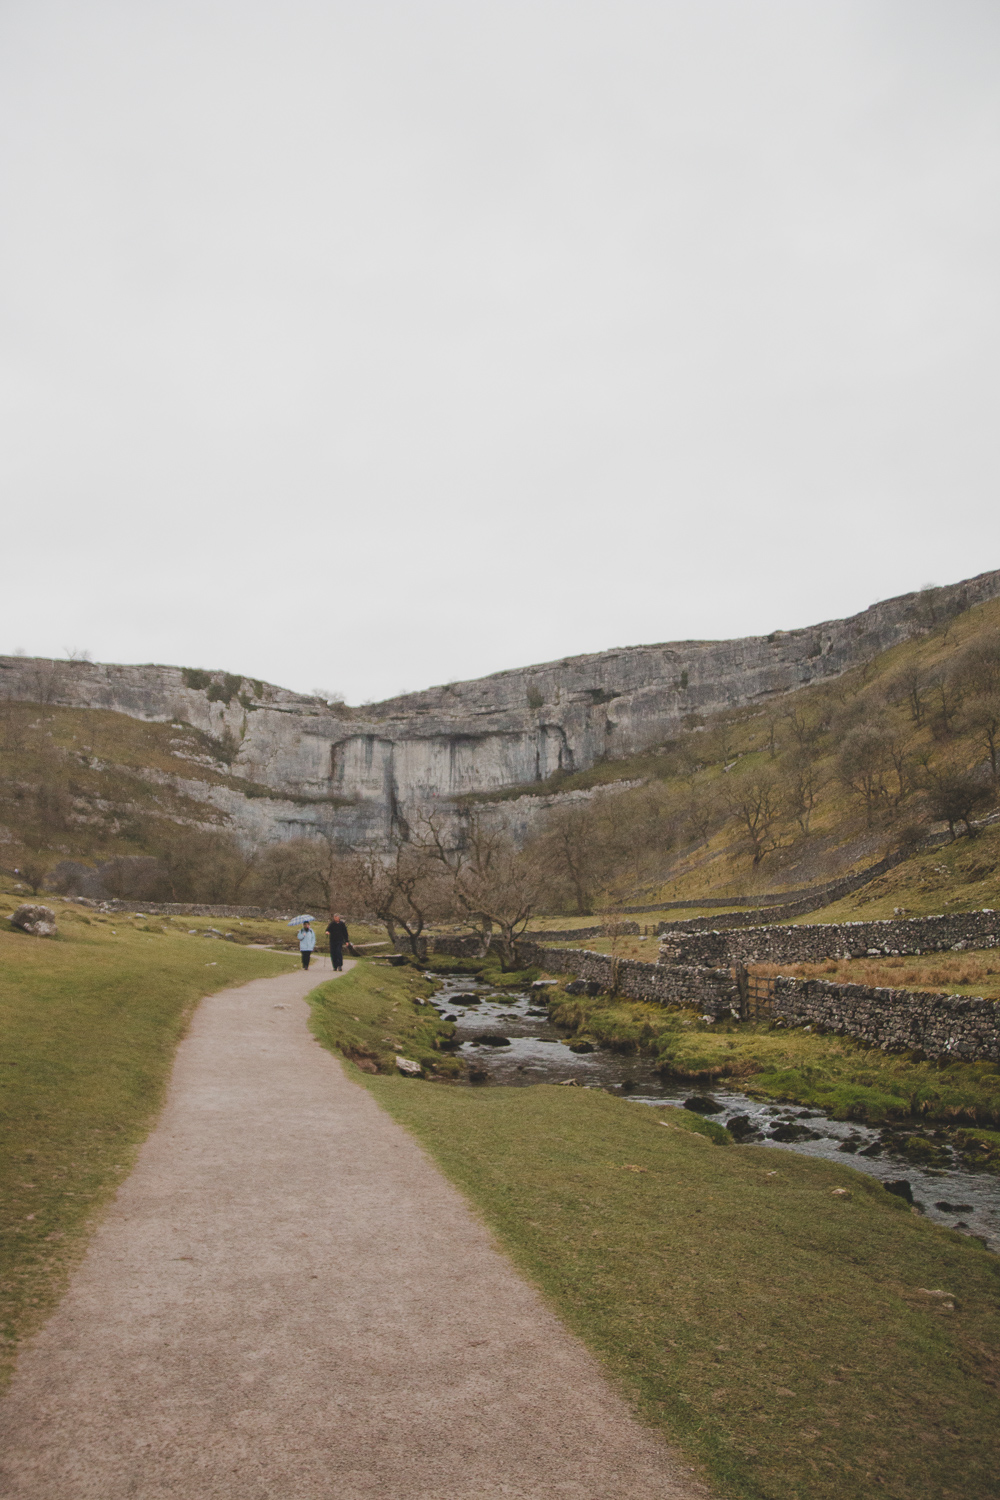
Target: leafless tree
(982,718)
(806,727)
(772,718)
(492,884)
(568,857)
(33,873)
(404,889)
(954,796)
(863,764)
(909,687)
(945,691)
(806,782)
(753,801)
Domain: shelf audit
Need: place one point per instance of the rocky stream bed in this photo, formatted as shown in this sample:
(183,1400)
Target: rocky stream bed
(507,1039)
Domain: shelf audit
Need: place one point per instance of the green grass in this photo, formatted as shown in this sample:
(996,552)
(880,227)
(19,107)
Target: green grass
(90,1021)
(837,1074)
(777,1333)
(383,1018)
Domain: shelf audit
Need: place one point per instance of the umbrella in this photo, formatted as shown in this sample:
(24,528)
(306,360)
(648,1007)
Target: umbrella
(296,921)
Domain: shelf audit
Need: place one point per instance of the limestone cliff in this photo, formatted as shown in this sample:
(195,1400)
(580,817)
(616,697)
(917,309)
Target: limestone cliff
(362,770)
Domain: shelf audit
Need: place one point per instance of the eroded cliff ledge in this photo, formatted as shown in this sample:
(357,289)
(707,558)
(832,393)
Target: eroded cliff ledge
(359,770)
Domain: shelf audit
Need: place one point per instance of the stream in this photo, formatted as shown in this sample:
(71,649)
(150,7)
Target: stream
(529,1049)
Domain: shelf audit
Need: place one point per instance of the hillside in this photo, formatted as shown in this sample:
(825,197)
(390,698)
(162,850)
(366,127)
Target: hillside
(806,788)
(785,792)
(365,773)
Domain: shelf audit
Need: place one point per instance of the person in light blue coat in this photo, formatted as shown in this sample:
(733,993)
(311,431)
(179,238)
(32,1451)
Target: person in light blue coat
(307,942)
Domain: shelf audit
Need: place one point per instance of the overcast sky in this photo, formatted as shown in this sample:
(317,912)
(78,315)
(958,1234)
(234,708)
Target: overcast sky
(368,344)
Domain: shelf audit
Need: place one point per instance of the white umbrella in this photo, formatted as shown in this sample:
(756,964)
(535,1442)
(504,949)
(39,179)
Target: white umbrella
(297,920)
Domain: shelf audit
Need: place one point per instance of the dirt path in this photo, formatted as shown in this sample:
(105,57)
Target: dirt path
(288,1301)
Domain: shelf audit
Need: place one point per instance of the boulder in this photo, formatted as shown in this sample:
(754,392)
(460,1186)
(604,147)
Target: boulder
(489,1039)
(40,921)
(954,1208)
(703,1104)
(409,1068)
(900,1188)
(788,1131)
(741,1126)
(581,1046)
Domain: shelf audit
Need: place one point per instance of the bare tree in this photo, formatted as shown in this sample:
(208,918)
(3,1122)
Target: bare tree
(568,857)
(806,782)
(946,699)
(492,884)
(908,687)
(862,765)
(772,718)
(982,717)
(33,873)
(806,728)
(753,800)
(405,889)
(954,796)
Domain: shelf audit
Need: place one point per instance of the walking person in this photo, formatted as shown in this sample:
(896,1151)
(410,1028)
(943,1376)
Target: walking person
(337,933)
(307,942)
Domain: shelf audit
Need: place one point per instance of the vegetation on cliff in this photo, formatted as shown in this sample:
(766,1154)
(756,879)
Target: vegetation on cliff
(780,795)
(790,793)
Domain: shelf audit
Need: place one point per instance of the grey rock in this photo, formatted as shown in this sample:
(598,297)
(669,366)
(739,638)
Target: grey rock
(900,1188)
(40,921)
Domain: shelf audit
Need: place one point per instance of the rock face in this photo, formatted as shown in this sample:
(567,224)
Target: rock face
(364,772)
(40,921)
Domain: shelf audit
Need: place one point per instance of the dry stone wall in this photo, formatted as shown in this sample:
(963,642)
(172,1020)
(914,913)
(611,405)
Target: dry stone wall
(712,991)
(936,1025)
(187,909)
(808,944)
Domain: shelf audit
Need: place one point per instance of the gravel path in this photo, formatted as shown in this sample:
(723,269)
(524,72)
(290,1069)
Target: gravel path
(287,1301)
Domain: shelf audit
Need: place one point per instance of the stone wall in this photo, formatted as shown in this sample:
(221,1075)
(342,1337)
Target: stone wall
(581,934)
(712,991)
(813,900)
(937,1025)
(187,909)
(808,944)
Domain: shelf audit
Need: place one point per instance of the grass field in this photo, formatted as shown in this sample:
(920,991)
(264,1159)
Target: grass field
(90,1020)
(787,1335)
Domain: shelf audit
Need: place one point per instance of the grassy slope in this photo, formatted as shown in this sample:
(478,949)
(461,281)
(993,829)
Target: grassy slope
(776,1332)
(962,876)
(90,1021)
(839,842)
(103,773)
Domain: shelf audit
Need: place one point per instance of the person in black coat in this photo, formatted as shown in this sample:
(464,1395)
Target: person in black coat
(337,933)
